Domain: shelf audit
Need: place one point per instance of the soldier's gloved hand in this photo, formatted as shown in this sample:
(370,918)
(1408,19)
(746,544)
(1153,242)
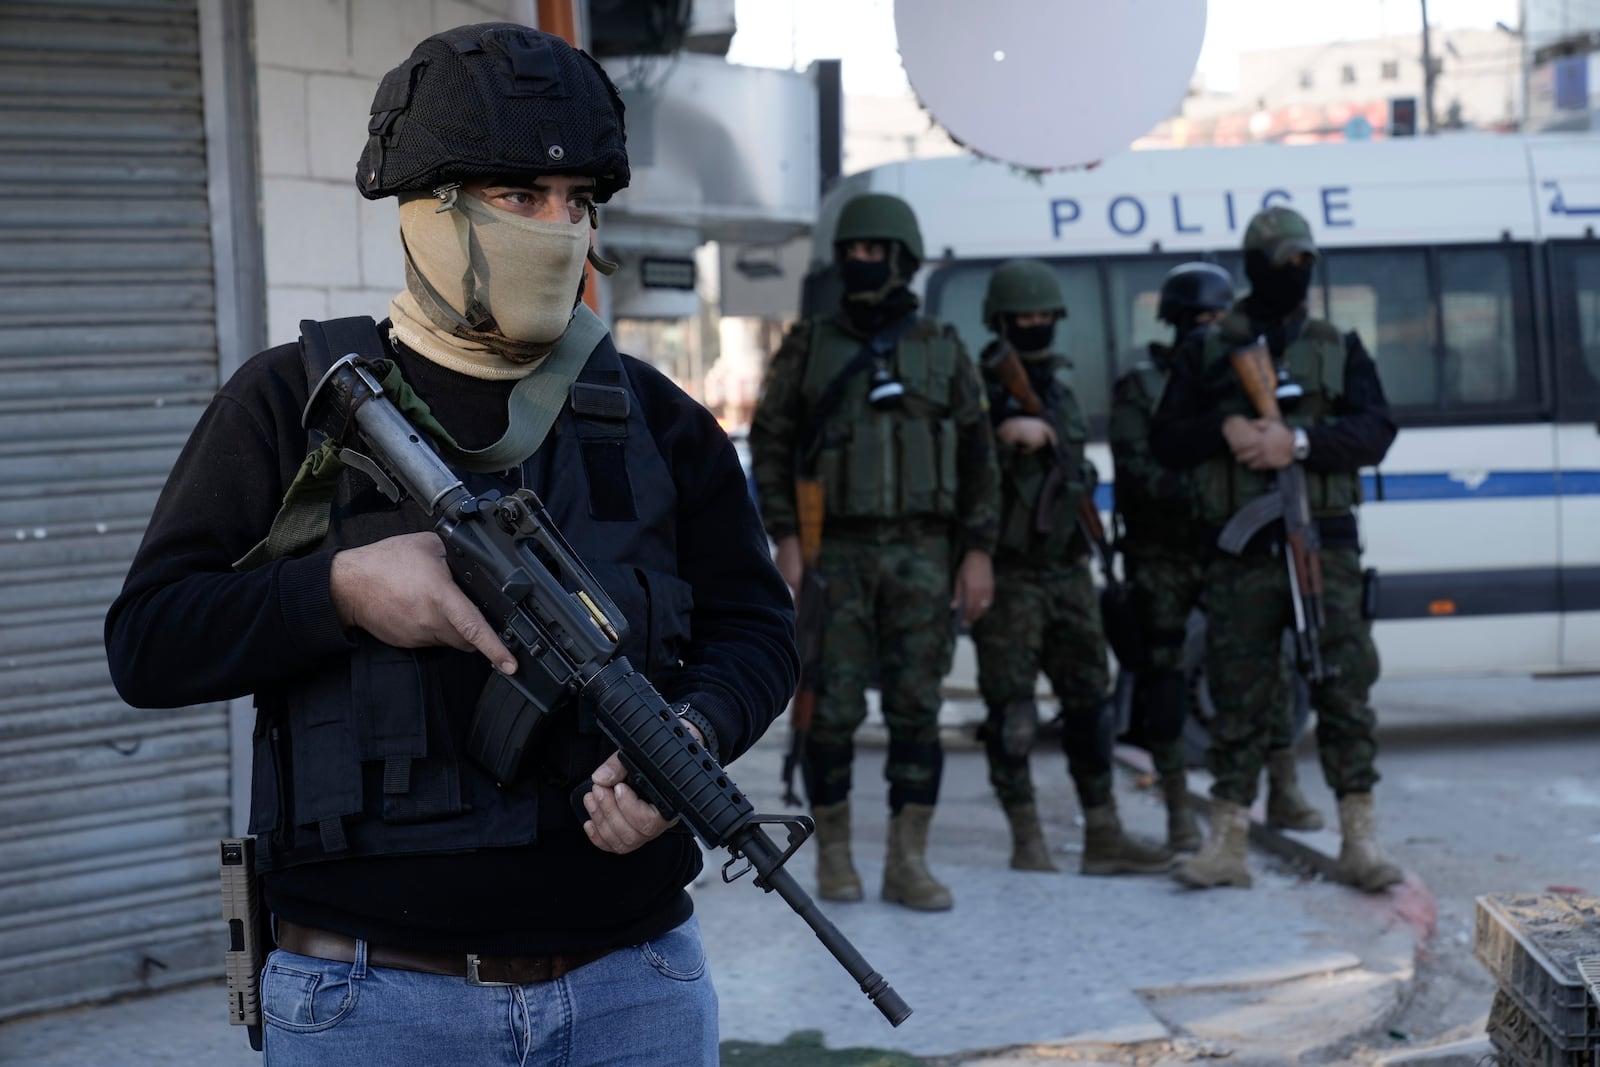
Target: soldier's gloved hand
(400,591)
(1026,433)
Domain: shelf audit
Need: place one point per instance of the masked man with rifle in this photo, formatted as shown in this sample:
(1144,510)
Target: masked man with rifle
(884,409)
(400,870)
(1045,616)
(1275,413)
(1165,548)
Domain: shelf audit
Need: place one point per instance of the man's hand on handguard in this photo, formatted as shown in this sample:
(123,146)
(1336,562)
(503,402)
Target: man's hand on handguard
(400,591)
(618,820)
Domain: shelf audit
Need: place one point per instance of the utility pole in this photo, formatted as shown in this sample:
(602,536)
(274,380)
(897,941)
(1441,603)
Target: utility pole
(1427,72)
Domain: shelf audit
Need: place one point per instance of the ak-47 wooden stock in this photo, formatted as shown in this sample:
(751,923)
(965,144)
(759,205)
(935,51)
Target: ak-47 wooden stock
(1254,368)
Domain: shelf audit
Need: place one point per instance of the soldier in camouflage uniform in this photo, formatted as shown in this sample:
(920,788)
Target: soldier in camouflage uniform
(1165,551)
(1045,614)
(1339,424)
(902,447)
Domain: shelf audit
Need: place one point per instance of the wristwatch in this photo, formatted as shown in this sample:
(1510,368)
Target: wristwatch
(1301,447)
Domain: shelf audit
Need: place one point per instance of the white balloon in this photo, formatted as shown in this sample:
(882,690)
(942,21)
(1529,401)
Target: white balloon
(1046,84)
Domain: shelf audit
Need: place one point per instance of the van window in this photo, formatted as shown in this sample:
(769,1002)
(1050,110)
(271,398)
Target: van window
(1575,281)
(1383,296)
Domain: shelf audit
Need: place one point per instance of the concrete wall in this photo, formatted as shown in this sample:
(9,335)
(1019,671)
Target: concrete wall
(328,251)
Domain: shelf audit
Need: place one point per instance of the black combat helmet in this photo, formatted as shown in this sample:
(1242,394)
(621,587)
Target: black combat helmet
(491,99)
(1192,288)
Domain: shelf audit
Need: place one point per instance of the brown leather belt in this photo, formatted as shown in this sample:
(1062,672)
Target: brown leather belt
(476,969)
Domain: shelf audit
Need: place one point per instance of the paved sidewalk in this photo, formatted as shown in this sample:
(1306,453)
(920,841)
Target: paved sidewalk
(1027,968)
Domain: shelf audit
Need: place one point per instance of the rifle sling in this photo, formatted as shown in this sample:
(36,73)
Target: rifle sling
(531,409)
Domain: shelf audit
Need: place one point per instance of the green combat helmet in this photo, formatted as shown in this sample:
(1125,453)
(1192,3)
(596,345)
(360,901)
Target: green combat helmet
(879,217)
(1279,233)
(1021,287)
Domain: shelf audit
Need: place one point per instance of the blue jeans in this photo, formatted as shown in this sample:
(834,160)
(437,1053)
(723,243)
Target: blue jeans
(650,1005)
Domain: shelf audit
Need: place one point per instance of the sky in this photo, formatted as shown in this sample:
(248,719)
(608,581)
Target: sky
(791,33)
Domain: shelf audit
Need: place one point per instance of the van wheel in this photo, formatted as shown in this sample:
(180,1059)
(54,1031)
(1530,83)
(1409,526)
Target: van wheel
(1197,723)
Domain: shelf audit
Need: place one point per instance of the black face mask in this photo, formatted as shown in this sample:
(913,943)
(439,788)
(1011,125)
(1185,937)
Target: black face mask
(1030,338)
(1275,291)
(861,276)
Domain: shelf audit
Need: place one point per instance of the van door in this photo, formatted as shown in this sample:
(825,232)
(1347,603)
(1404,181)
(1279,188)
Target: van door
(1575,294)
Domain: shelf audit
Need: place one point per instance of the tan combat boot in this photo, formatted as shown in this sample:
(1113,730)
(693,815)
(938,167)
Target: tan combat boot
(1028,849)
(1221,861)
(906,879)
(1361,863)
(836,875)
(1287,807)
(1183,833)
(1107,850)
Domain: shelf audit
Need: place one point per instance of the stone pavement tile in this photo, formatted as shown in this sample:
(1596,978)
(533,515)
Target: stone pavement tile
(185,1027)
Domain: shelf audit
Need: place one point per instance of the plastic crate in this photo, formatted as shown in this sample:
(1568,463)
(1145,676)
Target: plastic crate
(1519,1041)
(1530,944)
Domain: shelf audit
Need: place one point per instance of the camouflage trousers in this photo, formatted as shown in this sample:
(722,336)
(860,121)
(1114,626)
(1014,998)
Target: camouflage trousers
(889,626)
(1046,619)
(1167,582)
(1248,608)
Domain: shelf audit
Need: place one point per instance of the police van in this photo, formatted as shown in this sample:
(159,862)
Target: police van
(1469,265)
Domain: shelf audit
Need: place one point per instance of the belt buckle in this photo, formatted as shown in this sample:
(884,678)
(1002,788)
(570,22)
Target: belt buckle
(472,974)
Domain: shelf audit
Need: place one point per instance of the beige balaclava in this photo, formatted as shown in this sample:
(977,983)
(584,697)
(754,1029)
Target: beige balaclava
(488,292)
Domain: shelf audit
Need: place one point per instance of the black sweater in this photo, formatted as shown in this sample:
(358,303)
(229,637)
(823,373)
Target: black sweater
(187,629)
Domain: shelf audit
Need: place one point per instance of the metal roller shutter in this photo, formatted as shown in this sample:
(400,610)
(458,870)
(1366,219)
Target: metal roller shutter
(108,352)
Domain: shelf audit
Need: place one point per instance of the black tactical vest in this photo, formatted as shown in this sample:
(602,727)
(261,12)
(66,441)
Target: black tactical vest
(365,756)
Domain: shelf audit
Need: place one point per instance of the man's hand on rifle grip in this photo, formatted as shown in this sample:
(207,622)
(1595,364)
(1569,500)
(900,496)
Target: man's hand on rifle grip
(1026,433)
(619,821)
(400,591)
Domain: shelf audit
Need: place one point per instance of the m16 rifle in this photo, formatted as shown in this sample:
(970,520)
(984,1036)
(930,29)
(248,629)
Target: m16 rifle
(1290,503)
(565,632)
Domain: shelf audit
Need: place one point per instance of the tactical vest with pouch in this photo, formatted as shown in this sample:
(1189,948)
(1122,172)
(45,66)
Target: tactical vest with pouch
(1315,361)
(364,756)
(894,464)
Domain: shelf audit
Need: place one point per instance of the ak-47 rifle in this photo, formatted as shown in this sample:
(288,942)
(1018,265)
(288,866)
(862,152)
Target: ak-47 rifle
(1118,612)
(811,618)
(508,557)
(1289,503)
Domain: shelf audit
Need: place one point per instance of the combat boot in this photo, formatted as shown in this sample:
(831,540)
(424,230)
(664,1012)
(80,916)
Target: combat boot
(1107,850)
(1028,849)
(1361,863)
(1222,860)
(836,875)
(1183,833)
(906,879)
(1287,807)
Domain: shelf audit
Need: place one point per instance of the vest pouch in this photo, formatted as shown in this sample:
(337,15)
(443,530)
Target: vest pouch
(323,757)
(403,730)
(870,460)
(268,781)
(1024,481)
(927,466)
